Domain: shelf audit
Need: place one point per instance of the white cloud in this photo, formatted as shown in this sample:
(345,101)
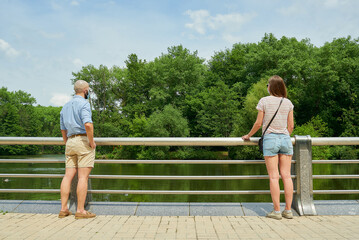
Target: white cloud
(52,35)
(331,3)
(75,3)
(200,20)
(227,24)
(59,99)
(229,20)
(7,49)
(55,5)
(231,38)
(78,62)
(294,9)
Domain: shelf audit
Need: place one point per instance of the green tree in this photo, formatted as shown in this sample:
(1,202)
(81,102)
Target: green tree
(134,87)
(213,111)
(316,127)
(177,74)
(245,120)
(17,119)
(166,123)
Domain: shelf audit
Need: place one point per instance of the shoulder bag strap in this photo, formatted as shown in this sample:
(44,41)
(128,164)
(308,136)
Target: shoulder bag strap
(273,117)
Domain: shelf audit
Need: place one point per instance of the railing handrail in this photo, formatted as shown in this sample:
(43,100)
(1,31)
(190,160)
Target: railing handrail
(153,177)
(124,161)
(172,141)
(196,192)
(303,178)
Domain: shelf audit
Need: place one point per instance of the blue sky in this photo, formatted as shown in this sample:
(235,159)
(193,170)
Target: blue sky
(43,42)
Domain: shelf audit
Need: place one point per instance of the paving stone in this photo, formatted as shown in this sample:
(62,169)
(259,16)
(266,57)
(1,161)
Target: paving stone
(261,209)
(334,207)
(48,226)
(162,209)
(113,208)
(256,209)
(33,206)
(216,209)
(9,205)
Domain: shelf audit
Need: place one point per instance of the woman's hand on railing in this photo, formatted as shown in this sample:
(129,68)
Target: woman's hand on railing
(246,137)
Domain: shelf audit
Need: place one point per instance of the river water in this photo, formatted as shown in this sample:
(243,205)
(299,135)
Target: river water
(168,169)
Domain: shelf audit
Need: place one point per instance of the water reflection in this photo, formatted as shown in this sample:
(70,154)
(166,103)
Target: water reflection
(168,169)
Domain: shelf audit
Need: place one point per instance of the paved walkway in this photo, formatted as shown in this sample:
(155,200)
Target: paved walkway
(338,207)
(137,220)
(49,226)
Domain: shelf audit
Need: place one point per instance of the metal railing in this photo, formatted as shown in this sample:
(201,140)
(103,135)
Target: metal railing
(301,172)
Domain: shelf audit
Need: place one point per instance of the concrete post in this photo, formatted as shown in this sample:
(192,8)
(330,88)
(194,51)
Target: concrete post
(73,195)
(303,199)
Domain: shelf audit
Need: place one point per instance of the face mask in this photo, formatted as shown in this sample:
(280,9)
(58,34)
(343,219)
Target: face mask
(268,91)
(87,95)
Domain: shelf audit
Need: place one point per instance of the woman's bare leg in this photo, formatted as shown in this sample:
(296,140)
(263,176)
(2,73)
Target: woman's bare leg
(272,169)
(285,162)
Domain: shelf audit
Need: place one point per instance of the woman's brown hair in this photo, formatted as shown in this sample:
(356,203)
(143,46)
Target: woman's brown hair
(277,87)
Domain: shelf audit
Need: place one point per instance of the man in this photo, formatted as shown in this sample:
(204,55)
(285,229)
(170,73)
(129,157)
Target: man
(77,132)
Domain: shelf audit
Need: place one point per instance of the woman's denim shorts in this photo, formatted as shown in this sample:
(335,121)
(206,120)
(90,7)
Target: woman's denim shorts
(277,143)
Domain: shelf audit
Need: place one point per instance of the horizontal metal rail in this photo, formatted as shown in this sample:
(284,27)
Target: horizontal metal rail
(172,141)
(344,161)
(336,176)
(105,161)
(336,191)
(131,141)
(334,141)
(100,161)
(153,177)
(242,192)
(173,192)
(171,177)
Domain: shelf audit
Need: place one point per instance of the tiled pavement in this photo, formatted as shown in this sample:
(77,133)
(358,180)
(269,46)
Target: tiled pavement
(49,226)
(345,207)
(38,220)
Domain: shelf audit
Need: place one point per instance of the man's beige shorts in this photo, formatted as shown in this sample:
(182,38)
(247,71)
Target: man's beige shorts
(78,152)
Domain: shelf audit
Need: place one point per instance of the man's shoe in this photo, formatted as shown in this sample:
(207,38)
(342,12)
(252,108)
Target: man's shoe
(84,215)
(63,214)
(274,215)
(288,215)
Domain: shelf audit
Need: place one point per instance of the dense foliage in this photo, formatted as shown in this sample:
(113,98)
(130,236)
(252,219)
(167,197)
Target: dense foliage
(179,95)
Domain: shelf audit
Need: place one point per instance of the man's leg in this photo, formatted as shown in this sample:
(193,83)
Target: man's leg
(66,187)
(83,175)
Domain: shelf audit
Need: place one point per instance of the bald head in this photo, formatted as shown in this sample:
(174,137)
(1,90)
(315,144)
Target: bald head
(80,86)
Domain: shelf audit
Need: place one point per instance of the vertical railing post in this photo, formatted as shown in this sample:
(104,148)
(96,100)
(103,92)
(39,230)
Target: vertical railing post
(303,183)
(73,195)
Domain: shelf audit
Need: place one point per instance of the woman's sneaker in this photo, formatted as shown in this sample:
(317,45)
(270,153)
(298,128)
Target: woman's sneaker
(288,215)
(274,215)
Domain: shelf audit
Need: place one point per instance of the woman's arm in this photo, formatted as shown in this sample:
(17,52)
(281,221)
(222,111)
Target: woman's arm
(256,126)
(290,122)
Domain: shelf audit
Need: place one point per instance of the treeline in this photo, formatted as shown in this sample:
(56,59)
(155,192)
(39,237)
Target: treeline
(178,94)
(20,118)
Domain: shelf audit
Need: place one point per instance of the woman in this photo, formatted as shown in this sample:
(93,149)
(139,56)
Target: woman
(277,145)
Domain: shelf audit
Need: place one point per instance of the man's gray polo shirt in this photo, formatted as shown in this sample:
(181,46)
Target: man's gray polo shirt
(74,115)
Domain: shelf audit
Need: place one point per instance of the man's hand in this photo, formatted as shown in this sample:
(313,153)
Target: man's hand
(93,144)
(64,135)
(89,132)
